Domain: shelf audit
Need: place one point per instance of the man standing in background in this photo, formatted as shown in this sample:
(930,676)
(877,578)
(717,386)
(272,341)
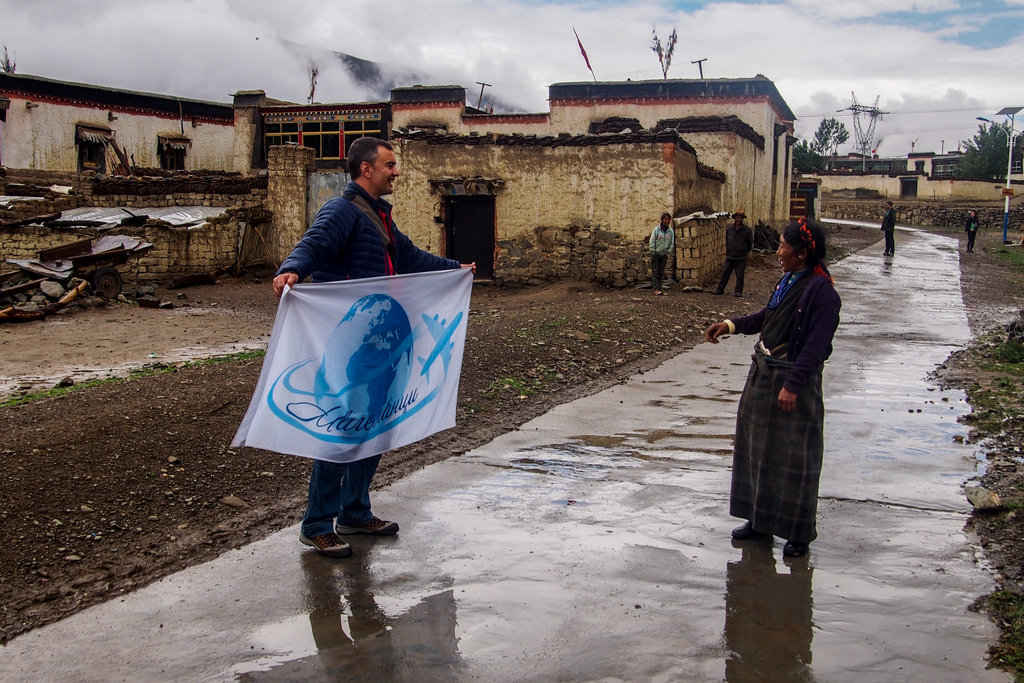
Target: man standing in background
(739,240)
(889,227)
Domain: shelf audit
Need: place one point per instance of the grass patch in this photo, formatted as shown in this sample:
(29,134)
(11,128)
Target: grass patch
(1010,351)
(557,322)
(152,369)
(510,384)
(1007,610)
(1012,255)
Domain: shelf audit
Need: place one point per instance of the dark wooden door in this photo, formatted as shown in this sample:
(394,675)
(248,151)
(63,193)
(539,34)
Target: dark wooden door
(470,232)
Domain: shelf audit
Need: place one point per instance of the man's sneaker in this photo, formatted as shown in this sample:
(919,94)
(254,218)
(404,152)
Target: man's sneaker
(375,527)
(327,544)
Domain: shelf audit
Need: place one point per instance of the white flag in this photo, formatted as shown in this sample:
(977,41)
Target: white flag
(359,367)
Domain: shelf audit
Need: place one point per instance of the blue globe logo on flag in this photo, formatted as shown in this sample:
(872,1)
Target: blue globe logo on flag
(368,357)
(364,384)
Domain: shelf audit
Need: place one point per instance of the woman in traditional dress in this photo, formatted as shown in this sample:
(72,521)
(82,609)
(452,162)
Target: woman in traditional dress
(779,426)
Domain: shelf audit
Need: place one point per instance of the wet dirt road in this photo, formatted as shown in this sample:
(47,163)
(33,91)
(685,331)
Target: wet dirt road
(593,543)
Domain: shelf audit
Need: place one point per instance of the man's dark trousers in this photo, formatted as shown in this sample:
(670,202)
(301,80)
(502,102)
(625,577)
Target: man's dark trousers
(731,265)
(890,243)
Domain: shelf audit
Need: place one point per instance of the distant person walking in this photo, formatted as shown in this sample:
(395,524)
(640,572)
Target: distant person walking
(971,228)
(889,227)
(661,244)
(739,240)
(779,445)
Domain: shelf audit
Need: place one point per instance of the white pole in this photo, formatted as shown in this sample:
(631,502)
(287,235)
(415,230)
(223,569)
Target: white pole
(1009,169)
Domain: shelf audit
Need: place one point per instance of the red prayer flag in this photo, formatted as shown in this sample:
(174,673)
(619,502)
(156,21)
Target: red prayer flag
(584,53)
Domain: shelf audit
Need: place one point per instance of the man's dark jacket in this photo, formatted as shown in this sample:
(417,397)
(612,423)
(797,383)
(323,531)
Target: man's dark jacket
(738,242)
(889,221)
(342,244)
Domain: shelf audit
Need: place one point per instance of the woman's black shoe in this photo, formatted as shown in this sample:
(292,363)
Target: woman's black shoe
(793,549)
(746,531)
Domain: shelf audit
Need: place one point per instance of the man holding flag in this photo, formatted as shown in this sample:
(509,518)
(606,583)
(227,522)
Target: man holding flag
(353,237)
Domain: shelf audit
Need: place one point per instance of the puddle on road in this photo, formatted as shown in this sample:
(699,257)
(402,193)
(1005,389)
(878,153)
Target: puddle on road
(11,387)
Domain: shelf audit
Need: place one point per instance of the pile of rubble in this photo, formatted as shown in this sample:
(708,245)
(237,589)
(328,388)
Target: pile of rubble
(23,298)
(59,275)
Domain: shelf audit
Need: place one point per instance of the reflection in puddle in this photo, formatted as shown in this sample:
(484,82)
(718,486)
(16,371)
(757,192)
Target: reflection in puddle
(598,441)
(572,461)
(347,636)
(768,626)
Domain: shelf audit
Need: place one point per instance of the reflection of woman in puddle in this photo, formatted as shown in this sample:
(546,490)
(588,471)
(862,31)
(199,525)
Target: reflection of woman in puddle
(767,619)
(779,427)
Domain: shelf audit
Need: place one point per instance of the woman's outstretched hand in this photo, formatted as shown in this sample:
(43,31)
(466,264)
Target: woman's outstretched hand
(715,331)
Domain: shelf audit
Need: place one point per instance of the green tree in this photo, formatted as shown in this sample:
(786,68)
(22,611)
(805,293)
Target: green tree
(985,155)
(805,159)
(830,134)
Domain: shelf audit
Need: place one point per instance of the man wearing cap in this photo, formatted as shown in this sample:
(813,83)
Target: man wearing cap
(739,240)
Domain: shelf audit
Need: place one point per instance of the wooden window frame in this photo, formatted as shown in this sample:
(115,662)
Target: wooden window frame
(329,134)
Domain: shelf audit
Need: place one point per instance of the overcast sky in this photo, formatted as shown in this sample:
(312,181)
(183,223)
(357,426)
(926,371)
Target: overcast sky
(934,65)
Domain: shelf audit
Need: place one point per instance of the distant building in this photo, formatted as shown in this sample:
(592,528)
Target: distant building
(328,129)
(576,190)
(72,127)
(741,127)
(531,197)
(929,164)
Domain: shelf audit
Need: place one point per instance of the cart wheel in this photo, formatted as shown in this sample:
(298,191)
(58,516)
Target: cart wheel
(106,282)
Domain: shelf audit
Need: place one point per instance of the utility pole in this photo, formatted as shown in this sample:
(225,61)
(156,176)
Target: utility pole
(700,66)
(864,135)
(480,100)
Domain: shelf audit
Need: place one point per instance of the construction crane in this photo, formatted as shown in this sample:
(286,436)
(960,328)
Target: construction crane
(864,120)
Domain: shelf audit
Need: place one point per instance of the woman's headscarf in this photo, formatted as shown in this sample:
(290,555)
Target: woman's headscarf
(802,234)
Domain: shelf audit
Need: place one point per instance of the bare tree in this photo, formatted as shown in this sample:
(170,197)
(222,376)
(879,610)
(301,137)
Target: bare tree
(664,53)
(314,71)
(7,64)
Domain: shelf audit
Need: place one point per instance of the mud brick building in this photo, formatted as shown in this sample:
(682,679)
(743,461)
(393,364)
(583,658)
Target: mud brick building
(72,127)
(530,197)
(574,192)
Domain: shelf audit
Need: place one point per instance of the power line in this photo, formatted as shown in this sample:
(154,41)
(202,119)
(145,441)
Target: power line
(953,110)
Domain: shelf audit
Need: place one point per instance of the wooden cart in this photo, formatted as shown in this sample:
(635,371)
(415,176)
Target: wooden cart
(95,262)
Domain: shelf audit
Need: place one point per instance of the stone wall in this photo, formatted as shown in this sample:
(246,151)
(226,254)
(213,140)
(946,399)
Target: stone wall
(700,249)
(30,208)
(288,167)
(167,189)
(29,176)
(578,252)
(177,189)
(176,251)
(566,206)
(946,214)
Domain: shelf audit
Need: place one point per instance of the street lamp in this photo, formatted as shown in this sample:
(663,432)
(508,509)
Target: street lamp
(1010,134)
